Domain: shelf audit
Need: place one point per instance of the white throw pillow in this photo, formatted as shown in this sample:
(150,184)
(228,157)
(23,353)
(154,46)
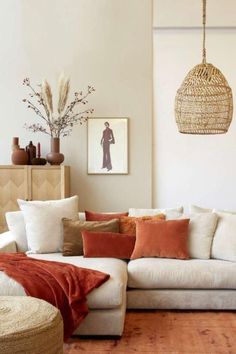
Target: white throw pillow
(16,224)
(224,241)
(202,227)
(196,209)
(171,213)
(43,223)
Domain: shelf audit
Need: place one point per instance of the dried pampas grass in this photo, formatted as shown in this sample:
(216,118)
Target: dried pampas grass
(60,122)
(64,88)
(47,95)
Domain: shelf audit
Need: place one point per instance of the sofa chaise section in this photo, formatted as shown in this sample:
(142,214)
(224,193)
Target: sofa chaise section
(107,304)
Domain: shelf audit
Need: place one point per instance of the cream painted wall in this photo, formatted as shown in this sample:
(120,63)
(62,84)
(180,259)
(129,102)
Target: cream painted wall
(187,13)
(106,43)
(187,168)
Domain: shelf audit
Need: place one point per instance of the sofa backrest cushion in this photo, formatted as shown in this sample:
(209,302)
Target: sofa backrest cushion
(224,241)
(197,209)
(202,227)
(82,216)
(224,211)
(16,224)
(171,213)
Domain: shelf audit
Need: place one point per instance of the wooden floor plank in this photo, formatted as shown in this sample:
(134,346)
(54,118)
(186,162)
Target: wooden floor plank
(166,332)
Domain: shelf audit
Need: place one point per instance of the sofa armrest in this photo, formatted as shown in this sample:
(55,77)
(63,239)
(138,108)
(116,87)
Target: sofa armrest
(7,242)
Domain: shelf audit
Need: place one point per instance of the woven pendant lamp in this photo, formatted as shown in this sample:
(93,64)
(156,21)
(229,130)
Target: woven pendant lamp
(204,102)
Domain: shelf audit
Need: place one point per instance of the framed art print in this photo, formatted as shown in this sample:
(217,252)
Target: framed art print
(107,145)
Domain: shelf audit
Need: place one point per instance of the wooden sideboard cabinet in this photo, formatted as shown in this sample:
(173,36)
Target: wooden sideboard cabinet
(31,183)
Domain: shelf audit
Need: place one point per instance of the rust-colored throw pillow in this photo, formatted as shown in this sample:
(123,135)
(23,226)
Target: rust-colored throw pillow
(73,243)
(107,244)
(165,239)
(128,223)
(91,216)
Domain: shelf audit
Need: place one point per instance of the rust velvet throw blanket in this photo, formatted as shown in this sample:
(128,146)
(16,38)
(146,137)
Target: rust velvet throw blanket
(63,285)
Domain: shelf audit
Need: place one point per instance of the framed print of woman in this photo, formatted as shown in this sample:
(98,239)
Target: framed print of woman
(107,145)
(106,141)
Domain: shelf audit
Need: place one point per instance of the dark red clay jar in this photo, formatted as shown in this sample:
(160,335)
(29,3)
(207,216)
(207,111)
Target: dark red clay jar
(31,151)
(19,157)
(55,157)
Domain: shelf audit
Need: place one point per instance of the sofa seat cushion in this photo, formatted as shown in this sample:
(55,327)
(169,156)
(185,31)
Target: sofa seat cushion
(160,273)
(110,294)
(107,296)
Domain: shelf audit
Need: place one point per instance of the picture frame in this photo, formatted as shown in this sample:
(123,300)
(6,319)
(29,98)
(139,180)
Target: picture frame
(107,140)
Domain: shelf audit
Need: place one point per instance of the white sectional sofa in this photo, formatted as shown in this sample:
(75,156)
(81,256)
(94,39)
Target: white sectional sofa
(145,283)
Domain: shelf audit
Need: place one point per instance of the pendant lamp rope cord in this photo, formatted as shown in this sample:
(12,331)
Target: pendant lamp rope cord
(204,31)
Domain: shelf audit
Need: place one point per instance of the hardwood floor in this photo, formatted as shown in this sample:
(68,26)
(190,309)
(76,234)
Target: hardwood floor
(166,332)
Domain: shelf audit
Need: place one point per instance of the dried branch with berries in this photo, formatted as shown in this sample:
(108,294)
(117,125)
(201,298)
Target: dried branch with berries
(61,121)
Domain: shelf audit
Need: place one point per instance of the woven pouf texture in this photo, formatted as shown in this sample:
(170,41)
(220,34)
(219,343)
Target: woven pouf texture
(204,102)
(29,326)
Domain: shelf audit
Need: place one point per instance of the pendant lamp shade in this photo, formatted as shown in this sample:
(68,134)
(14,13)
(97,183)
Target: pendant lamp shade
(204,101)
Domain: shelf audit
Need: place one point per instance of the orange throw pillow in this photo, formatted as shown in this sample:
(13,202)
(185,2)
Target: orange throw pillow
(107,244)
(165,239)
(128,223)
(91,216)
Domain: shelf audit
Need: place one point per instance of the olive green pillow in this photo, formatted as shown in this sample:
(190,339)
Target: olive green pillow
(73,242)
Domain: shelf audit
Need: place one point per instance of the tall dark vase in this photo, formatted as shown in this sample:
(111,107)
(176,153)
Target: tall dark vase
(55,157)
(31,151)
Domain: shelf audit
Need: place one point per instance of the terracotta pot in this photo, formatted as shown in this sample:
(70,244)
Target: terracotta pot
(55,157)
(19,157)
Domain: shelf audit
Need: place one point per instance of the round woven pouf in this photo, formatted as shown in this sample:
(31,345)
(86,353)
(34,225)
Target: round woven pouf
(29,326)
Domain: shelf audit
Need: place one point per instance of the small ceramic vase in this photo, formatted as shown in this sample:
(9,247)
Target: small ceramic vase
(15,144)
(55,157)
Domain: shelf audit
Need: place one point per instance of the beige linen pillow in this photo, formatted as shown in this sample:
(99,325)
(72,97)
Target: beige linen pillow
(202,227)
(73,242)
(224,241)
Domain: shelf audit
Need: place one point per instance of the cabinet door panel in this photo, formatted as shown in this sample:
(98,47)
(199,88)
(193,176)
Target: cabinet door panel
(45,183)
(13,185)
(31,183)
